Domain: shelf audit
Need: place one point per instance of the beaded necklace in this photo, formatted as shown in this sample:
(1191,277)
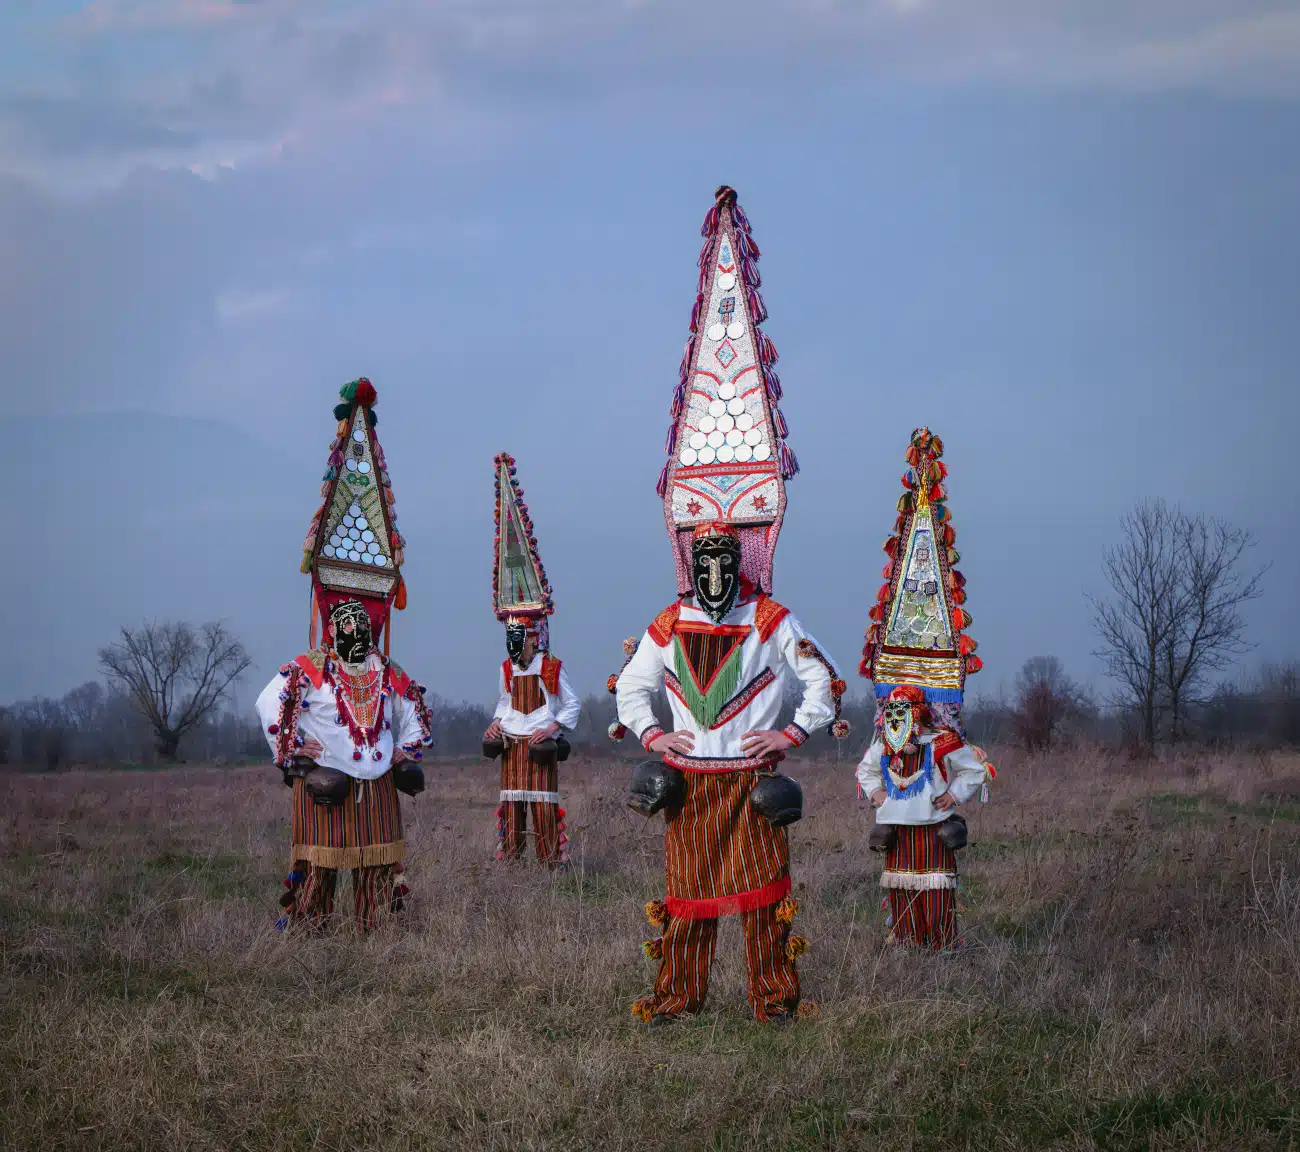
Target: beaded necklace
(359,694)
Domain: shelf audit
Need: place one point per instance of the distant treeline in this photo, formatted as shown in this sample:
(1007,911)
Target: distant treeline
(93,724)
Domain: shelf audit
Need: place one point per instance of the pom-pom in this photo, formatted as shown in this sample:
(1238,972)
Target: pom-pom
(838,687)
(840,729)
(653,949)
(787,910)
(656,912)
(795,947)
(612,683)
(642,1010)
(630,646)
(365,393)
(349,391)
(617,731)
(805,647)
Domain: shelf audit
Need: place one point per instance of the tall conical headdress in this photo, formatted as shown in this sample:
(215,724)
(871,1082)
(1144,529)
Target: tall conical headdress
(353,549)
(519,584)
(917,623)
(727,457)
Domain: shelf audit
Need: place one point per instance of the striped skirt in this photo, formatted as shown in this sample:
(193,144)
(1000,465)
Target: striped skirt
(362,832)
(721,855)
(921,878)
(527,787)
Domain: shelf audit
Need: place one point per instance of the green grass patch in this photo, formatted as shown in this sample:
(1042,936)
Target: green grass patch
(1192,1112)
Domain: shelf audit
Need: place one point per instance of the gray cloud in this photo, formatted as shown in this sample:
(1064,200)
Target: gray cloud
(205,84)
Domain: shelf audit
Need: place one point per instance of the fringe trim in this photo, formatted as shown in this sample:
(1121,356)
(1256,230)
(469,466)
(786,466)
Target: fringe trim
(524,794)
(716,906)
(918,881)
(371,856)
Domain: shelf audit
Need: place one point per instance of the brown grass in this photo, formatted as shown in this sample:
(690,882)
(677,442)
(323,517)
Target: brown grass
(1132,978)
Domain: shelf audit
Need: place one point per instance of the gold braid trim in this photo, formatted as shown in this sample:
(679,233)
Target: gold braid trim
(371,856)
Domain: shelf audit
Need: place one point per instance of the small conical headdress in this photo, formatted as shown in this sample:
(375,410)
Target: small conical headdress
(353,549)
(727,457)
(519,585)
(916,636)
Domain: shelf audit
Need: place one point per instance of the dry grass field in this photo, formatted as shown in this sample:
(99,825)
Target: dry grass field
(1131,978)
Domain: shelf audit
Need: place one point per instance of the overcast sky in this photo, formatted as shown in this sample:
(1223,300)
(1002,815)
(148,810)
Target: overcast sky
(1062,233)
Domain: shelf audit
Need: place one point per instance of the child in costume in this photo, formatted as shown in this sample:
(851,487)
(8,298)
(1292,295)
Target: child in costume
(919,768)
(536,702)
(722,650)
(346,725)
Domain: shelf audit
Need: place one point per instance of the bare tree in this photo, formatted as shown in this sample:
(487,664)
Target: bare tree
(175,675)
(1134,625)
(1207,630)
(1045,698)
(1178,584)
(43,738)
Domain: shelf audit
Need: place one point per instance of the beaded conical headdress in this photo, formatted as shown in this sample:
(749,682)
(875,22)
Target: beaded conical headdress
(727,457)
(520,590)
(916,635)
(353,549)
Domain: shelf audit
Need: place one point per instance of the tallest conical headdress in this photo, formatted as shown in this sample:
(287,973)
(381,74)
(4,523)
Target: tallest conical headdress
(727,457)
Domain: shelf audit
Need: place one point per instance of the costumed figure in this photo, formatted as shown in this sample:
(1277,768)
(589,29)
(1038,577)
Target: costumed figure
(346,725)
(919,767)
(536,703)
(722,650)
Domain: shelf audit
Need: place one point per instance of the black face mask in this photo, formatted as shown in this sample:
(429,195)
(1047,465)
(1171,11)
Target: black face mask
(516,639)
(352,639)
(715,574)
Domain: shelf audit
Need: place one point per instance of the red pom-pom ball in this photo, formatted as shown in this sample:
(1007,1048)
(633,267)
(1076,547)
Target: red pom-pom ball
(366,394)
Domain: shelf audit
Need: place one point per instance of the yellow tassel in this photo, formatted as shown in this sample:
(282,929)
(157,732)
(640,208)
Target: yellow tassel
(809,1010)
(787,910)
(657,913)
(654,949)
(642,1011)
(795,947)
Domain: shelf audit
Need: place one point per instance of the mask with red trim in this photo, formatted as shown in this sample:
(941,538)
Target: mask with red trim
(905,713)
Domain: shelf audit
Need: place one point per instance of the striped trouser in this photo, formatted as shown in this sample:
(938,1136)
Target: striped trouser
(688,948)
(529,788)
(921,878)
(372,894)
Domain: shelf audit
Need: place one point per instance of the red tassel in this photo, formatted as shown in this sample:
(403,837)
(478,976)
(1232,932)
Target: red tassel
(366,395)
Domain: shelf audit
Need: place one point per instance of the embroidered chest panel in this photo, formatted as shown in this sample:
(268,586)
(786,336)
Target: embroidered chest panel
(707,662)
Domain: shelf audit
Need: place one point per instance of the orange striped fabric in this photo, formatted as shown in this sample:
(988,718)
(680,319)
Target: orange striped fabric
(372,895)
(526,694)
(519,773)
(721,856)
(365,830)
(688,950)
(926,916)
